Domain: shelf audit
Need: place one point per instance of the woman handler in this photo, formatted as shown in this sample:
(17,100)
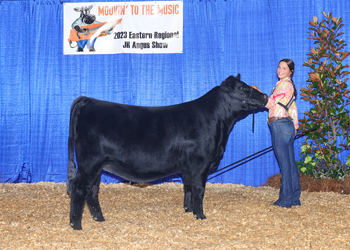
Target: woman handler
(283,123)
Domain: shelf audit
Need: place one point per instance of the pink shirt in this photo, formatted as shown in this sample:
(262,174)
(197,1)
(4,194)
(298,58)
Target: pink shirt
(283,93)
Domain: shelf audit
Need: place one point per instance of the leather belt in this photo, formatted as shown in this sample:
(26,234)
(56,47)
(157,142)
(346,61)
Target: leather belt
(274,118)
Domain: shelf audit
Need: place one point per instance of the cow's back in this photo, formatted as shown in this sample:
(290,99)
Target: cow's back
(146,143)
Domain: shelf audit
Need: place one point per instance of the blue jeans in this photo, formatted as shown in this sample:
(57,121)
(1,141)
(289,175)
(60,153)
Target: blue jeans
(282,134)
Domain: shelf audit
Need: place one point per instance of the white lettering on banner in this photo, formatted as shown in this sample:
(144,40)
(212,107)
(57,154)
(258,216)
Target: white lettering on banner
(128,27)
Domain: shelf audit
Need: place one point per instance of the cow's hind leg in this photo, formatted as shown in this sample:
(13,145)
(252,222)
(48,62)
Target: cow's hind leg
(92,201)
(188,201)
(79,193)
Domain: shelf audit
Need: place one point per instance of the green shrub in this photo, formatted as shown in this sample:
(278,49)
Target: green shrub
(318,170)
(328,95)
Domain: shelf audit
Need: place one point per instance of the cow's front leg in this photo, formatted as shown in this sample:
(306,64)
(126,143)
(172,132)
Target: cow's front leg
(77,202)
(198,188)
(93,203)
(188,201)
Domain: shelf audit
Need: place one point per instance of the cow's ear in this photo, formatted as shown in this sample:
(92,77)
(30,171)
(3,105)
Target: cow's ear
(238,77)
(227,85)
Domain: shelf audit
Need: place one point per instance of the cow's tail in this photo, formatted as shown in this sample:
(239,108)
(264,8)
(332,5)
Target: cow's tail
(74,111)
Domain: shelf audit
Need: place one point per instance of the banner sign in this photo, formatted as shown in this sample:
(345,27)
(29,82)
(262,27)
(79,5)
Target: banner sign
(123,27)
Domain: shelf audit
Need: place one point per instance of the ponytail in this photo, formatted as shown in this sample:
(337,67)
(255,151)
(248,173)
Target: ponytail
(295,90)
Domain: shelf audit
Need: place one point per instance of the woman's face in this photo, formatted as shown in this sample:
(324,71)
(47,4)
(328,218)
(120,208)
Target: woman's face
(283,70)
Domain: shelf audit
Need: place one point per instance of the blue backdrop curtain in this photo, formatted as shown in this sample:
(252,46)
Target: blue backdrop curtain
(221,38)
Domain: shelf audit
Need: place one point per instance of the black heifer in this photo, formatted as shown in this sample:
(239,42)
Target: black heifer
(142,144)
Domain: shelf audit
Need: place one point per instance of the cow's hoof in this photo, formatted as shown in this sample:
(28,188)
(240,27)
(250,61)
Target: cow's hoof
(99,219)
(188,209)
(76,227)
(200,216)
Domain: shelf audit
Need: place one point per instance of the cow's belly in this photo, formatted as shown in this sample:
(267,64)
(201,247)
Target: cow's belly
(140,173)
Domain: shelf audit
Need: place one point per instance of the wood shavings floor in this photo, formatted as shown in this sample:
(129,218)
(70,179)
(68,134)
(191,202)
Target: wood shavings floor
(36,216)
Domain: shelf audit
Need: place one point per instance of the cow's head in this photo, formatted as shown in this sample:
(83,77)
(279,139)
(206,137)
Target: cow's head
(240,91)
(85,15)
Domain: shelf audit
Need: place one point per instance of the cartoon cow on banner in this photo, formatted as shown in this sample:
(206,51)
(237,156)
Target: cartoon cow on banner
(86,29)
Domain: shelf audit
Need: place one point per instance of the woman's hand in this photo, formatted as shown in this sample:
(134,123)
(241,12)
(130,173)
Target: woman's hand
(255,87)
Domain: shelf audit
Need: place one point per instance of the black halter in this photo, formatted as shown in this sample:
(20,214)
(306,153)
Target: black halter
(247,102)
